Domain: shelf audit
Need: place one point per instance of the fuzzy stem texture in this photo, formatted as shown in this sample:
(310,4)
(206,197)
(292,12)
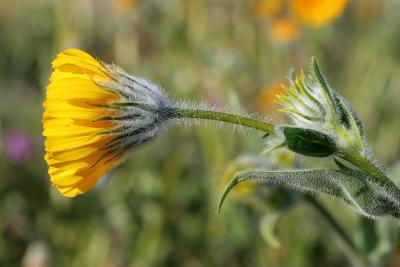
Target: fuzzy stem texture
(195,113)
(369,168)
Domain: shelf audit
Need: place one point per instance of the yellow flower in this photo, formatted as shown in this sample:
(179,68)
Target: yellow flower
(94,114)
(283,30)
(317,12)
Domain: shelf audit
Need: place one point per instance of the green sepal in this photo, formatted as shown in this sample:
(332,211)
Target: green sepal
(349,116)
(308,142)
(326,89)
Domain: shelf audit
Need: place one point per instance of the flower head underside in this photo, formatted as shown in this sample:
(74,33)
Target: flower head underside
(95,114)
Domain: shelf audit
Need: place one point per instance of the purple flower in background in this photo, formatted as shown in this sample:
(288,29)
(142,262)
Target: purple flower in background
(17,146)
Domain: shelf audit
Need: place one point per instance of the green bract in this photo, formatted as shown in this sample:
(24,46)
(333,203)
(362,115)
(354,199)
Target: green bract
(309,142)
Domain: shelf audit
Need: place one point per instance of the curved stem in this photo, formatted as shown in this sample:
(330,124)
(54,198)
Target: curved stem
(221,116)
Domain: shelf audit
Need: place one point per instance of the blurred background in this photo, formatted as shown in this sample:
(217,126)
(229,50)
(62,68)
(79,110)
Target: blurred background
(160,207)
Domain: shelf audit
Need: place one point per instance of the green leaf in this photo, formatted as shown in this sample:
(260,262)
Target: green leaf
(353,187)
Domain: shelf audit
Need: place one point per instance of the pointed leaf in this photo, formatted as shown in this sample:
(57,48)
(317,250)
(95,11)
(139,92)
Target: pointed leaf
(353,187)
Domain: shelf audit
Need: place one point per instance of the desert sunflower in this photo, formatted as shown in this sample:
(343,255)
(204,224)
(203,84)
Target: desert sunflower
(94,114)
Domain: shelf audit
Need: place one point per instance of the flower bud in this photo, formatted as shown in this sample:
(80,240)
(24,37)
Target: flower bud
(320,114)
(95,114)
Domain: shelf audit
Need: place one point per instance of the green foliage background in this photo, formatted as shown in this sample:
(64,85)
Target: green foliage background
(160,207)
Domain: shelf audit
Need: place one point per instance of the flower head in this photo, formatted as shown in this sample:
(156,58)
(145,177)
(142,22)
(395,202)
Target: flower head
(95,114)
(328,120)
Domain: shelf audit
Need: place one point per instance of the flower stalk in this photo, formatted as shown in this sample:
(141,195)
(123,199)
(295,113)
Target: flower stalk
(182,113)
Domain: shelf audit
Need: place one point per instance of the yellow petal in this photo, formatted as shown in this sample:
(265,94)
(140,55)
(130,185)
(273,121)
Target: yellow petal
(75,144)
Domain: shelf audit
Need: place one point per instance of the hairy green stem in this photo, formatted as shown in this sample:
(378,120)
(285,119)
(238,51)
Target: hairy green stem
(369,168)
(221,116)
